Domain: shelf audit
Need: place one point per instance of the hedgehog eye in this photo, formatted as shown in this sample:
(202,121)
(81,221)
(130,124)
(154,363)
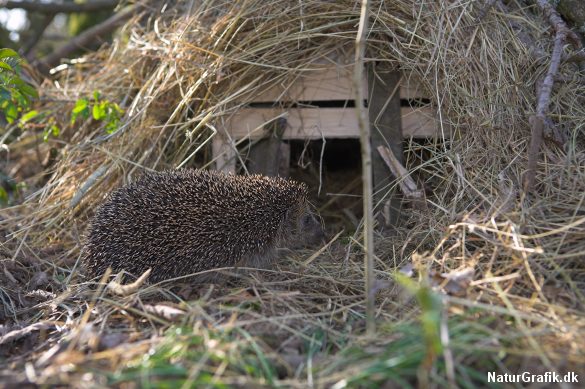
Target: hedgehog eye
(307,219)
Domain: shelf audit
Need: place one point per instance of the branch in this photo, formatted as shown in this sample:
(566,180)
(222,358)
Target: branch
(36,36)
(405,182)
(126,290)
(60,7)
(538,120)
(85,38)
(558,23)
(368,197)
(17,334)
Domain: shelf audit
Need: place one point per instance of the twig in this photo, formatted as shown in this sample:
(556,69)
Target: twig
(538,120)
(405,182)
(58,7)
(164,311)
(17,334)
(125,290)
(36,35)
(85,38)
(360,49)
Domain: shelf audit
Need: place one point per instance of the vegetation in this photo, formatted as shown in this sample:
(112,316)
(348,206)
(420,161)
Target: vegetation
(15,93)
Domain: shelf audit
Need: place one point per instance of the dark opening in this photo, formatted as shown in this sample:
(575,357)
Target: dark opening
(338,155)
(418,102)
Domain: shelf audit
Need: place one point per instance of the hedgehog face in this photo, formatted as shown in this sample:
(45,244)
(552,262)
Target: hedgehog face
(311,229)
(304,228)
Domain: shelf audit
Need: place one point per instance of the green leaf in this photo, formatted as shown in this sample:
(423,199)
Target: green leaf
(96,96)
(3,196)
(4,94)
(5,66)
(99,111)
(81,109)
(8,53)
(53,130)
(29,90)
(11,112)
(111,127)
(22,100)
(16,81)
(80,105)
(28,116)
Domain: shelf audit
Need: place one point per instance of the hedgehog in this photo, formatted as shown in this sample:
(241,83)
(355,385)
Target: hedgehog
(188,221)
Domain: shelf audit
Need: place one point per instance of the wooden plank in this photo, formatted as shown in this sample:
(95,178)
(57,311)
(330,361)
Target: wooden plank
(267,155)
(224,154)
(315,123)
(329,83)
(420,122)
(411,88)
(385,118)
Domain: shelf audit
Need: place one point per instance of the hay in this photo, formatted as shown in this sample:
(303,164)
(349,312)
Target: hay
(181,72)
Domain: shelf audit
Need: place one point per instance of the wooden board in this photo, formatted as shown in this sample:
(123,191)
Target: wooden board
(385,116)
(224,154)
(329,83)
(317,123)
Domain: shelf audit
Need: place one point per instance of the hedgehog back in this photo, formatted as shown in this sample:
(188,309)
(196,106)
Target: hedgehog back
(186,221)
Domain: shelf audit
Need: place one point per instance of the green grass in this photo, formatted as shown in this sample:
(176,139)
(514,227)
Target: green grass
(404,352)
(195,357)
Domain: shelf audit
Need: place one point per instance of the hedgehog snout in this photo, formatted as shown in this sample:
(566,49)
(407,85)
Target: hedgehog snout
(311,229)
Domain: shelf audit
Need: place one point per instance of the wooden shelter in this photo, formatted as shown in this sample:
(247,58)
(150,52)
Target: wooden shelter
(319,104)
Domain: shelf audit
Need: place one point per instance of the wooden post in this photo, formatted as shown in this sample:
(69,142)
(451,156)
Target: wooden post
(223,154)
(271,156)
(385,120)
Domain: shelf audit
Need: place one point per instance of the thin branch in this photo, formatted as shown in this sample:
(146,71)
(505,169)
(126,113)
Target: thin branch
(30,44)
(126,290)
(538,120)
(405,181)
(557,22)
(59,7)
(368,196)
(85,38)
(17,334)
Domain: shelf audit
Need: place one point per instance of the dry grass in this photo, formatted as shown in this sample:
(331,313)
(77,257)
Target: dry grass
(502,273)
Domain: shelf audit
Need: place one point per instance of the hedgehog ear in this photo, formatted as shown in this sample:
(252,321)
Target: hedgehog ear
(290,215)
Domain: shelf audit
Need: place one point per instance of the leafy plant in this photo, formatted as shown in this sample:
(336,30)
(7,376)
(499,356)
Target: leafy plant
(100,109)
(49,123)
(51,130)
(15,93)
(7,186)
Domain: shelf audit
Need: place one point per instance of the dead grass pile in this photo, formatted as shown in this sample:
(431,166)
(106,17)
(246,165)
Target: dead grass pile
(509,265)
